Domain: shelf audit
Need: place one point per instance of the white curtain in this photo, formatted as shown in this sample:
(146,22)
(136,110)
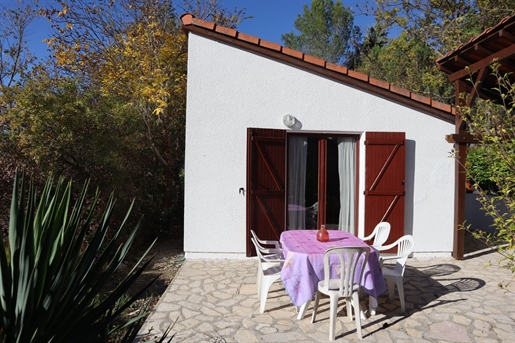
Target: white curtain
(297,158)
(347,173)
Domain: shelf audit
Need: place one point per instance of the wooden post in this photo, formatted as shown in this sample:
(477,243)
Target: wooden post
(461,179)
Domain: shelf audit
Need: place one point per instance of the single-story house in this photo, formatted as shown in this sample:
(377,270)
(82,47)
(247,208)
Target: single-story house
(278,140)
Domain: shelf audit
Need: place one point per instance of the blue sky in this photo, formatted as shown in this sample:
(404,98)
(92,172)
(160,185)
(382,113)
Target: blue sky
(271,19)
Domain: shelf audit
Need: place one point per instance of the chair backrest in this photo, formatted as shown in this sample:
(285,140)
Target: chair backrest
(255,236)
(264,250)
(261,252)
(351,260)
(381,233)
(405,246)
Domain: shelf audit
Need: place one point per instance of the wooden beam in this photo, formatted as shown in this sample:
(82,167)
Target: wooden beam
(461,59)
(460,138)
(459,200)
(507,35)
(500,55)
(481,48)
(322,182)
(477,84)
(460,88)
(460,179)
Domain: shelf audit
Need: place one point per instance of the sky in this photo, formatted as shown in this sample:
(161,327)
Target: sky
(270,19)
(273,18)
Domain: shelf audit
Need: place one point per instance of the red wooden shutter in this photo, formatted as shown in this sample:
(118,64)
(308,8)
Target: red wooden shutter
(266,174)
(384,181)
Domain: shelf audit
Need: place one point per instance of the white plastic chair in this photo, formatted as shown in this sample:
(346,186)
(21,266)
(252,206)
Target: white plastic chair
(380,234)
(344,286)
(276,250)
(394,276)
(269,271)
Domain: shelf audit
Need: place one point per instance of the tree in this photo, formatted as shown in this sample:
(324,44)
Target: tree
(406,62)
(443,25)
(15,64)
(15,58)
(59,127)
(135,51)
(428,30)
(327,31)
(493,125)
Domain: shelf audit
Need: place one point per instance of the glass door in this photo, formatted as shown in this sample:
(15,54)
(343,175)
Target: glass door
(321,177)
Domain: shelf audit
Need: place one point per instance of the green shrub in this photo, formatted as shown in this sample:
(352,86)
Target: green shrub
(53,279)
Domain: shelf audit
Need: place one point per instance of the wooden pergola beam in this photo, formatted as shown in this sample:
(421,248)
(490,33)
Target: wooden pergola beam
(485,62)
(461,138)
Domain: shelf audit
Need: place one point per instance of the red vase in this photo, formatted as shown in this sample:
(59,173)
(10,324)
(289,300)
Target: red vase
(322,234)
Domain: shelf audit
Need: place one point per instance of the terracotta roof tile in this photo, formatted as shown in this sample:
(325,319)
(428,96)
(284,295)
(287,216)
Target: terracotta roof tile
(337,68)
(294,53)
(190,23)
(441,106)
(476,38)
(270,45)
(379,83)
(421,98)
(226,31)
(204,23)
(358,75)
(187,19)
(248,38)
(401,91)
(314,60)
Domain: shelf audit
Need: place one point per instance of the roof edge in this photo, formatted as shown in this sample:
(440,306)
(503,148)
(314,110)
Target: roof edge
(509,20)
(297,58)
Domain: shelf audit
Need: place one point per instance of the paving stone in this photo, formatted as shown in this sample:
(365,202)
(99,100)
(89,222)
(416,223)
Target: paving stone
(242,311)
(414,333)
(248,289)
(479,333)
(438,317)
(448,331)
(459,319)
(507,336)
(187,313)
(244,335)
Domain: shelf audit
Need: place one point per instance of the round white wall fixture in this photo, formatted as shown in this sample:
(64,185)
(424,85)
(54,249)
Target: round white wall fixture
(289,120)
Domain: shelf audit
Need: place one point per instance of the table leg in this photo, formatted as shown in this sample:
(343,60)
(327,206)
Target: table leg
(362,312)
(302,310)
(372,305)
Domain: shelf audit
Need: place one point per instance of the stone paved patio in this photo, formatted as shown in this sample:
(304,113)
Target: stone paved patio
(446,301)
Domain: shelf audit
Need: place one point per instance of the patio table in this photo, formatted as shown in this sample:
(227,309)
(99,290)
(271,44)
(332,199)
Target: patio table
(304,265)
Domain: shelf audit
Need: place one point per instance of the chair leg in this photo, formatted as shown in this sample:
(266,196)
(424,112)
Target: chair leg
(265,287)
(332,315)
(315,307)
(355,302)
(400,289)
(349,309)
(259,275)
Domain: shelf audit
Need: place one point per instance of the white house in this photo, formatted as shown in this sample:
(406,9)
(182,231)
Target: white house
(278,140)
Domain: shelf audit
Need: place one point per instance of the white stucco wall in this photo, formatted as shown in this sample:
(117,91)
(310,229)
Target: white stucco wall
(230,90)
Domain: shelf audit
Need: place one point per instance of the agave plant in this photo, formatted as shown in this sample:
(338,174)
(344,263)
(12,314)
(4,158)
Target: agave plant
(52,285)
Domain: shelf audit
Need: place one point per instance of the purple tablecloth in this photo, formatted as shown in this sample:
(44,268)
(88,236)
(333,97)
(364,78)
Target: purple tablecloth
(304,265)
